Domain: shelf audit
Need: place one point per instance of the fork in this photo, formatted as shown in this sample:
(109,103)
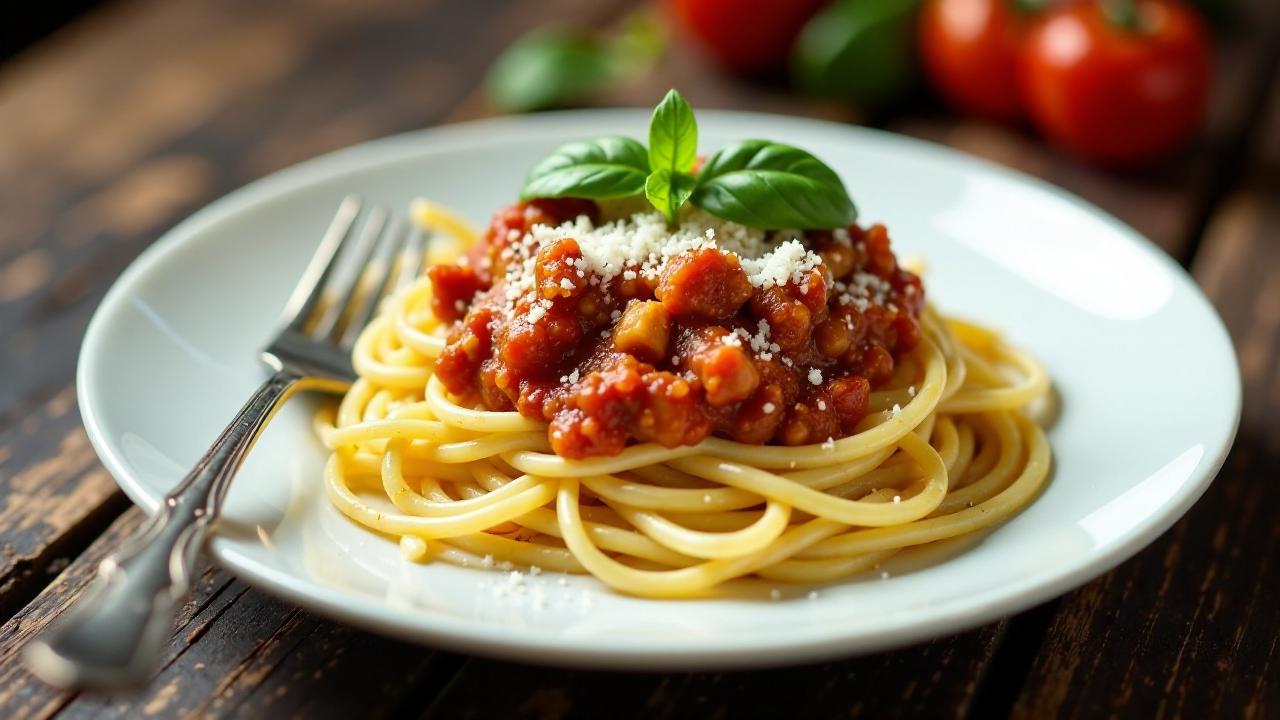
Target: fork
(115,634)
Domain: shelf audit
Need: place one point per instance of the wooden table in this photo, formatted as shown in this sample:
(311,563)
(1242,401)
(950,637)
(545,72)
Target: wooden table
(122,123)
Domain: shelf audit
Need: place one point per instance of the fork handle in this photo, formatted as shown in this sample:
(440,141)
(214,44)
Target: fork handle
(114,635)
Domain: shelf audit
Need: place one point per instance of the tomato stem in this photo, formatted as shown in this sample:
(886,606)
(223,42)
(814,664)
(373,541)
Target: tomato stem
(1031,7)
(1122,14)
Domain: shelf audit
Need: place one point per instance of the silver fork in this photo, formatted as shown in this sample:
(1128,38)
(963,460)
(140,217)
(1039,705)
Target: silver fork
(114,634)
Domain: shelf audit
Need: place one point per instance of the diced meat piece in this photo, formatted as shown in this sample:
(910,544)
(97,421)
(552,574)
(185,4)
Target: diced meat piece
(643,330)
(775,374)
(594,306)
(706,284)
(790,321)
(850,396)
(759,416)
(876,365)
(879,257)
(727,373)
(641,287)
(533,343)
(792,310)
(906,334)
(911,291)
(832,337)
(556,271)
(542,397)
(496,387)
(512,222)
(468,345)
(598,416)
(672,413)
(556,211)
(628,399)
(810,421)
(452,289)
(853,320)
(838,257)
(811,291)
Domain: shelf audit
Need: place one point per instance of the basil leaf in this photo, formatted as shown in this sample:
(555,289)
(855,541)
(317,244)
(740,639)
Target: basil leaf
(606,167)
(769,185)
(858,50)
(668,190)
(673,135)
(550,67)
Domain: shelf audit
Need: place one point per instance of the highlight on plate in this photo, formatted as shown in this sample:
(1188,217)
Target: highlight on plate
(671,373)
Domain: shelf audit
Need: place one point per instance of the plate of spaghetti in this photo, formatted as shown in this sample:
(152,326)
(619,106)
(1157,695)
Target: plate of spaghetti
(690,399)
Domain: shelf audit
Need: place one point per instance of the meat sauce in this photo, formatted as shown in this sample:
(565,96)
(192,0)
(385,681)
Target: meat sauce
(695,351)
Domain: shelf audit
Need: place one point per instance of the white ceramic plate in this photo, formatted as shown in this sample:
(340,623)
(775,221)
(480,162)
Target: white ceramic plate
(1151,399)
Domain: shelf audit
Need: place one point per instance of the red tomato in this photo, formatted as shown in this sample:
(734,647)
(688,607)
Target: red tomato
(1118,95)
(748,38)
(970,51)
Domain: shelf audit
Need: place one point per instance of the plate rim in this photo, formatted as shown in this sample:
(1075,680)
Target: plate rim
(482,637)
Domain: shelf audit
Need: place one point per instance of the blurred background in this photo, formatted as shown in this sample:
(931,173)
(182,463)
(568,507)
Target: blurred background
(119,117)
(1129,100)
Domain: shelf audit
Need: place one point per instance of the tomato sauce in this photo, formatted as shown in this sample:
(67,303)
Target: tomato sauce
(696,351)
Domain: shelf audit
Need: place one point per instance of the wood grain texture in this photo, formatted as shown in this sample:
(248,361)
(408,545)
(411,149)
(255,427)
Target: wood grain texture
(54,497)
(936,680)
(235,652)
(1191,626)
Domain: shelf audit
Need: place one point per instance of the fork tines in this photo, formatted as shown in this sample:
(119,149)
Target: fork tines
(358,263)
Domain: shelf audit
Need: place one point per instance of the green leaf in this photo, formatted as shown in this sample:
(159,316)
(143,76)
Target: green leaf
(769,185)
(641,41)
(673,135)
(858,50)
(668,191)
(607,167)
(551,67)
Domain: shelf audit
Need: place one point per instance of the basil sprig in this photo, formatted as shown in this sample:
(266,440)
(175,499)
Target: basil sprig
(607,167)
(757,183)
(673,148)
(764,184)
(668,191)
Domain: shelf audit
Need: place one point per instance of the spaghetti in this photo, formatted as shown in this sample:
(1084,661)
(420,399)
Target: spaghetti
(941,448)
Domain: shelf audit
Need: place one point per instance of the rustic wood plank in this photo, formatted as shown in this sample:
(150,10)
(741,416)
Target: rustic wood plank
(235,651)
(1190,627)
(54,497)
(934,680)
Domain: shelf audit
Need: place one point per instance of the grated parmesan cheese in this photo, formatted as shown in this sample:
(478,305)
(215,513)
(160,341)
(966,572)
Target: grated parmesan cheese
(642,245)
